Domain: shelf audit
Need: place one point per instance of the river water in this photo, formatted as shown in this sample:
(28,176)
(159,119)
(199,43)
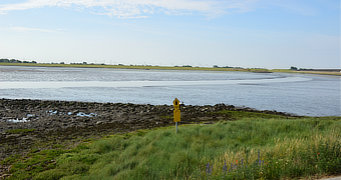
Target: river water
(313,95)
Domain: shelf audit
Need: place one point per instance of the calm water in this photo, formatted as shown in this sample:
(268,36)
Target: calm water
(313,95)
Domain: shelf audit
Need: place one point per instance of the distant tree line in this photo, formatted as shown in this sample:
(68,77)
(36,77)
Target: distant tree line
(304,69)
(216,66)
(84,63)
(293,68)
(300,69)
(15,61)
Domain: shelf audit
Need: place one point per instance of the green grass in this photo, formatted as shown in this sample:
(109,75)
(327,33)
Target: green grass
(135,67)
(19,131)
(256,70)
(33,163)
(242,115)
(254,148)
(307,72)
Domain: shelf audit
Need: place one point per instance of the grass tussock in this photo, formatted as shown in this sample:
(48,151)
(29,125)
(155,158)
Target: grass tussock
(245,149)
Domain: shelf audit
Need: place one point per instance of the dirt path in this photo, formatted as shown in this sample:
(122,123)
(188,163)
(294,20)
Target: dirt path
(332,178)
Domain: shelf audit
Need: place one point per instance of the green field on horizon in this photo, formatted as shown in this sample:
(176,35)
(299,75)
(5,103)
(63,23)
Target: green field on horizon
(132,67)
(256,70)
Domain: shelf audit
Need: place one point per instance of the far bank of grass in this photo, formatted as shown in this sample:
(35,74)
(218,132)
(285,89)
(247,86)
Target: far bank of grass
(307,72)
(255,70)
(252,147)
(135,67)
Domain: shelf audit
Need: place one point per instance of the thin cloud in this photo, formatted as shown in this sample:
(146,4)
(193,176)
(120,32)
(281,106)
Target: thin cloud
(30,29)
(138,8)
(294,6)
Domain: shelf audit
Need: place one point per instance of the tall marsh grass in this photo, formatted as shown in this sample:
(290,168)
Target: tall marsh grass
(245,149)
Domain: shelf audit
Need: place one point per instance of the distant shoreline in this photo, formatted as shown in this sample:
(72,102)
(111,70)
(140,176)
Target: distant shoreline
(255,70)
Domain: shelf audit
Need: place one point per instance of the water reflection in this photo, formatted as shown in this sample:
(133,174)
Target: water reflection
(116,84)
(313,95)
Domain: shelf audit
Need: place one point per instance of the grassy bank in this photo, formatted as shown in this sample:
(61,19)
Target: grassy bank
(307,72)
(256,70)
(136,67)
(257,147)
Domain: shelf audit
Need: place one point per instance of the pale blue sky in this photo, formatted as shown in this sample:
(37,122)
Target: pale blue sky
(246,33)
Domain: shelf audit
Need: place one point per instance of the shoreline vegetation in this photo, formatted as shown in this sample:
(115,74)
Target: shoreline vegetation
(335,72)
(82,140)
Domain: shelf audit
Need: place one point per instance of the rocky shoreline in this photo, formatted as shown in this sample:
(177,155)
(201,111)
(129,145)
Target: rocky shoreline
(48,116)
(24,122)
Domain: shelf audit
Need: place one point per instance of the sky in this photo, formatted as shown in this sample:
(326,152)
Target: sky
(238,33)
